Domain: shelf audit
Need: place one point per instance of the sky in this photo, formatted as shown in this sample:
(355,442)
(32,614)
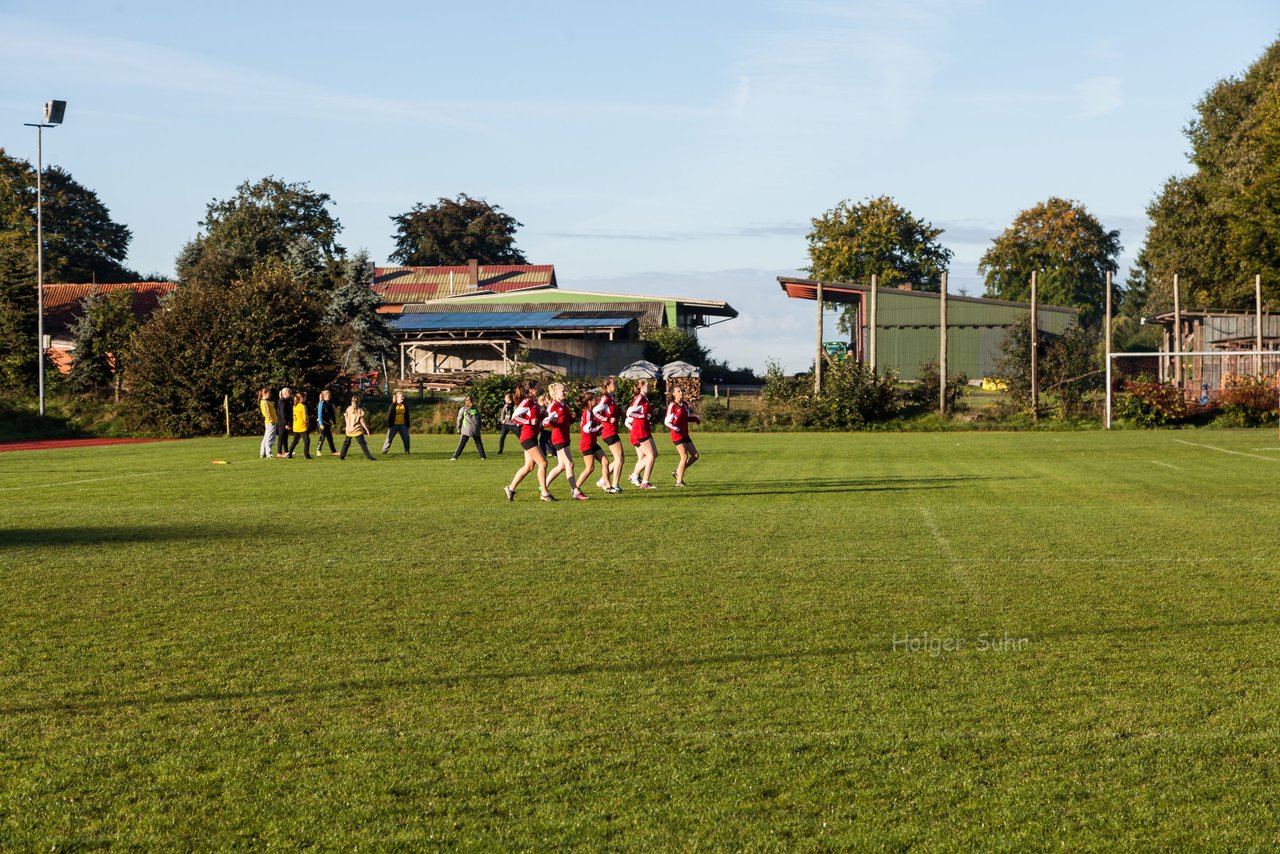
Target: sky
(667,148)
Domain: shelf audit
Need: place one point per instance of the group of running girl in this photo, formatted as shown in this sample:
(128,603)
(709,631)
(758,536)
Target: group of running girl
(598,422)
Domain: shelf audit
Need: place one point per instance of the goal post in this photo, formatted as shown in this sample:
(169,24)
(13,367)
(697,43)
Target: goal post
(1211,368)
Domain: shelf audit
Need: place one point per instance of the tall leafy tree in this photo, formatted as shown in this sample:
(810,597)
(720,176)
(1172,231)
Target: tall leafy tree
(853,241)
(1219,225)
(453,231)
(264,221)
(17,313)
(266,329)
(1069,249)
(82,243)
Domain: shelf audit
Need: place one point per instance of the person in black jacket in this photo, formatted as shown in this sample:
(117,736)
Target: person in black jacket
(284,420)
(398,420)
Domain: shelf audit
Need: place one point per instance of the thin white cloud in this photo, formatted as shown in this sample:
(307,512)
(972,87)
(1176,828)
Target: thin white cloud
(1098,96)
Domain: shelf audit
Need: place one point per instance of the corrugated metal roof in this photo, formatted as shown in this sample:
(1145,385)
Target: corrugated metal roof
(400,285)
(504,320)
(62,302)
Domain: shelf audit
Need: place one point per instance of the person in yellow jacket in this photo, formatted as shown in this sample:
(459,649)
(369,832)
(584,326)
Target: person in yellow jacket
(268,410)
(301,426)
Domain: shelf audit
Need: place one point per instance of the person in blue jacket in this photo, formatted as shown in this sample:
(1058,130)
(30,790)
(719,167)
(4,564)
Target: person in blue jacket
(325,415)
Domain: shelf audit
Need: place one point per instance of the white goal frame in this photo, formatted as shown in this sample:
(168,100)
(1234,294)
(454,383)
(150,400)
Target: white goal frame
(1188,353)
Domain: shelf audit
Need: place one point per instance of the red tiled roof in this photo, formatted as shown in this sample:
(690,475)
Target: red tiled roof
(62,302)
(400,285)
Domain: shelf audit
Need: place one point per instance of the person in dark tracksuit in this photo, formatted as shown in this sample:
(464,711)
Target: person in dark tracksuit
(469,427)
(325,415)
(284,420)
(507,424)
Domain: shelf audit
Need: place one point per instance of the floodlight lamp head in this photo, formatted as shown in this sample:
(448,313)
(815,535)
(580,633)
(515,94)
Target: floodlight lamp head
(54,111)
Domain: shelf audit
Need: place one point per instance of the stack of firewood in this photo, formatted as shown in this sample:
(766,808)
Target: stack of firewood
(692,391)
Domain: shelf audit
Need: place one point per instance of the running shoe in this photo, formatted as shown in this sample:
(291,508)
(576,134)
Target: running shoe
(603,484)
(547,496)
(635,481)
(614,490)
(511,493)
(580,496)
(647,485)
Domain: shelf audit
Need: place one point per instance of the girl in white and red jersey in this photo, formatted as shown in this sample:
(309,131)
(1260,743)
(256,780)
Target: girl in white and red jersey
(677,421)
(560,419)
(589,427)
(527,416)
(639,414)
(606,411)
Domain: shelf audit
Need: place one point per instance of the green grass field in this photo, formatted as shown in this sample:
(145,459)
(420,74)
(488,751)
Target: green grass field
(343,654)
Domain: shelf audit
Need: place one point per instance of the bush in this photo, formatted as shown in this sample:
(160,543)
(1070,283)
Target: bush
(852,397)
(1250,402)
(923,394)
(1151,405)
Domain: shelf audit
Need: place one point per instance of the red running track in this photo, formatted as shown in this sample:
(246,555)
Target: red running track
(52,444)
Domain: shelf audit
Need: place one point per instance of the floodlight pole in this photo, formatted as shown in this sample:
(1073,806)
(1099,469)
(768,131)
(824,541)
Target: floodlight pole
(40,349)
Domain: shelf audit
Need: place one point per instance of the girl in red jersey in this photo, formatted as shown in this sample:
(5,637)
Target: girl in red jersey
(606,411)
(639,414)
(559,419)
(527,416)
(589,426)
(677,421)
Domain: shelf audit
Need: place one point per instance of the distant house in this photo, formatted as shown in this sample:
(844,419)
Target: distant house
(1223,331)
(452,320)
(62,310)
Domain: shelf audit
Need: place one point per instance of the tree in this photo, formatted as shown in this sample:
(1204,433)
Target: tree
(264,330)
(1220,225)
(453,231)
(852,242)
(17,313)
(1066,245)
(669,344)
(81,241)
(101,334)
(353,318)
(262,222)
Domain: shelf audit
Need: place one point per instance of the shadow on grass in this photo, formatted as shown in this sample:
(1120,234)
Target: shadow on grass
(881,644)
(819,485)
(93,535)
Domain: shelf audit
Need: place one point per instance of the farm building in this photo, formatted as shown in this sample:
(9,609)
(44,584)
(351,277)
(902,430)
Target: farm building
(1225,331)
(907,327)
(62,309)
(450,320)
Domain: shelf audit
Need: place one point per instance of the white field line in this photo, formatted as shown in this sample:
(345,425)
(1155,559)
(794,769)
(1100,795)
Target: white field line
(85,480)
(1166,465)
(953,561)
(1225,451)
